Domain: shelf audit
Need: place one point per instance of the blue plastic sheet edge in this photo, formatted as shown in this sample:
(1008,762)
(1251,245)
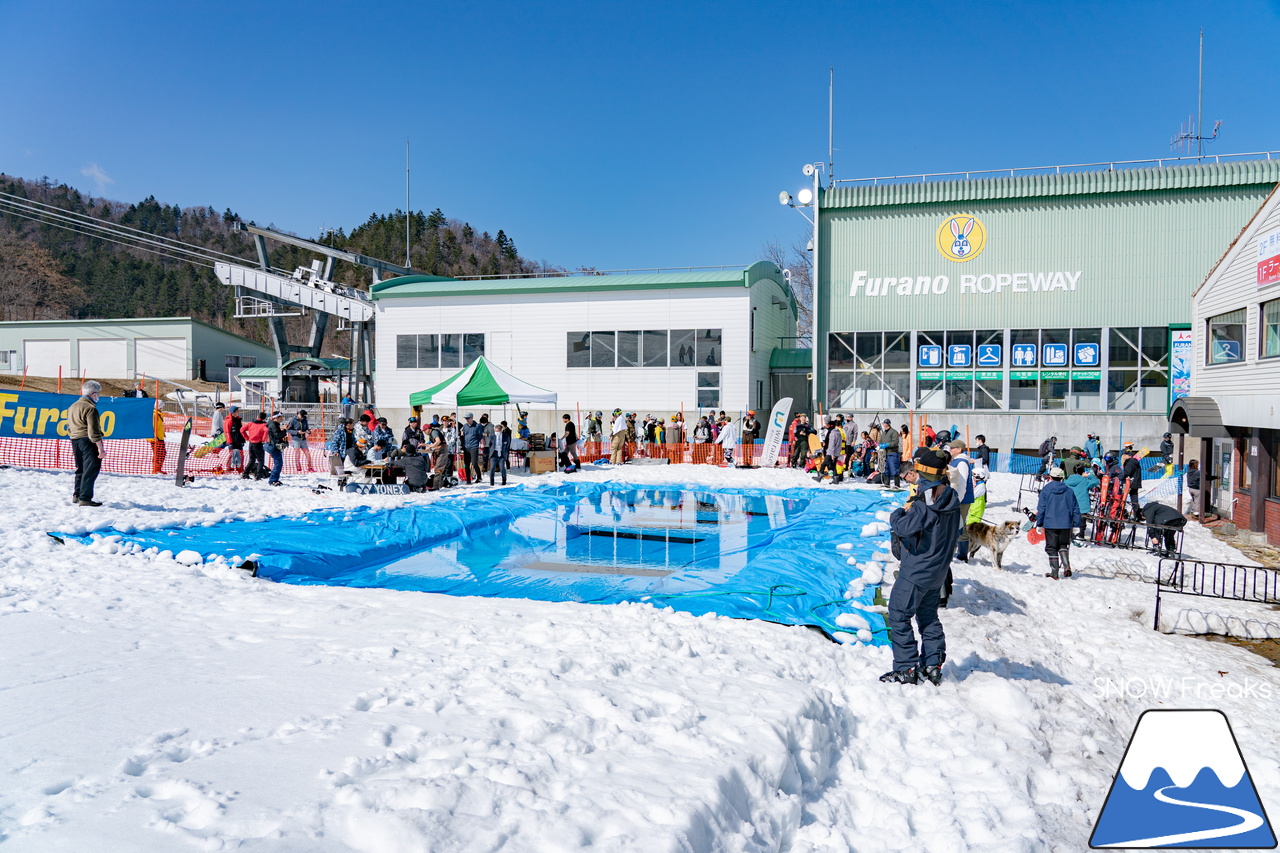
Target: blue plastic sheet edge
(799,578)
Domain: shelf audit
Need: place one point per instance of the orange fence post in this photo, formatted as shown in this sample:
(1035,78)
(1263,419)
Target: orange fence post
(59,378)
(24,378)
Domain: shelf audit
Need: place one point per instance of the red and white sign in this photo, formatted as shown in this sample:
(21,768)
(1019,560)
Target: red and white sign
(1269,258)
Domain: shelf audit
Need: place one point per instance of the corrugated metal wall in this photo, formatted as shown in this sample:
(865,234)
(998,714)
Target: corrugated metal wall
(1140,255)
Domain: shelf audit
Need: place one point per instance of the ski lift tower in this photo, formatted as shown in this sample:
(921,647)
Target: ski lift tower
(273,294)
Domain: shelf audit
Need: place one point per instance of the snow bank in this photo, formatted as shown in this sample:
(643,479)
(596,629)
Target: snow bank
(155,706)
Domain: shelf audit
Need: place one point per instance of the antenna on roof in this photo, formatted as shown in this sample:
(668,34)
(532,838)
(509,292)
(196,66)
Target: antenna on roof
(831,151)
(406,202)
(1189,132)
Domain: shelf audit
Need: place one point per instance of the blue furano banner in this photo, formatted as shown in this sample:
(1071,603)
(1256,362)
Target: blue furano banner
(34,414)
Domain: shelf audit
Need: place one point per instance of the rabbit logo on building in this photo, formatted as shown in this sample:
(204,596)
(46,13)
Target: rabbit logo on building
(961,238)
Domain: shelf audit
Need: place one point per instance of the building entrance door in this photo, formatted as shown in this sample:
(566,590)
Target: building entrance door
(1220,485)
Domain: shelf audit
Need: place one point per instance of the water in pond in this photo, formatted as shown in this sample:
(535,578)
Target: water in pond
(735,552)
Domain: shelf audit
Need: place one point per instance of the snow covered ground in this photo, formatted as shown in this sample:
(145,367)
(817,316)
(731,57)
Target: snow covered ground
(147,705)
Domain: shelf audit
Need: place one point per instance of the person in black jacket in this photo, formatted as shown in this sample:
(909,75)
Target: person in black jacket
(980,452)
(1131,471)
(800,442)
(1168,523)
(570,453)
(928,527)
(415,467)
(1193,484)
(276,440)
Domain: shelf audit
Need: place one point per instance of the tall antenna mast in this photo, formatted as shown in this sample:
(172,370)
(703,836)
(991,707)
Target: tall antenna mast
(1200,102)
(1189,131)
(406,202)
(831,150)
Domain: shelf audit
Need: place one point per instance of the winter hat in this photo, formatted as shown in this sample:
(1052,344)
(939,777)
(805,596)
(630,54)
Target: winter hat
(219,405)
(888,422)
(277,416)
(413,420)
(931,464)
(1057,473)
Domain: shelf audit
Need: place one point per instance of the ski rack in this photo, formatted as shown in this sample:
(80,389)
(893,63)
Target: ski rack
(1123,532)
(1033,488)
(1211,579)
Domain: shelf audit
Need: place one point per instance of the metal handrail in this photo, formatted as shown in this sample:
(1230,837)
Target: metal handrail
(1110,167)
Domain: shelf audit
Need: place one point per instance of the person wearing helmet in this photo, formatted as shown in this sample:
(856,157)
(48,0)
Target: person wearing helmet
(1166,453)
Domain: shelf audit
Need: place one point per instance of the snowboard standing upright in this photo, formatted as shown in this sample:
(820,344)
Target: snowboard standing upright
(180,470)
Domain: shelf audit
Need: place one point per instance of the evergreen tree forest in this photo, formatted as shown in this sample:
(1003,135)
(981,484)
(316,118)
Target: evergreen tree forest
(49,272)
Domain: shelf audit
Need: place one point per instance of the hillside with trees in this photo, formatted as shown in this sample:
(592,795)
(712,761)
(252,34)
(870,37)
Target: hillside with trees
(49,272)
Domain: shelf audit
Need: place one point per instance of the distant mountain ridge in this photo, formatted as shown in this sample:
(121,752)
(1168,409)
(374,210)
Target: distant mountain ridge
(49,272)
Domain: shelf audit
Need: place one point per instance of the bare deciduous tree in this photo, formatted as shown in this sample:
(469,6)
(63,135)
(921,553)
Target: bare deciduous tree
(32,286)
(796,259)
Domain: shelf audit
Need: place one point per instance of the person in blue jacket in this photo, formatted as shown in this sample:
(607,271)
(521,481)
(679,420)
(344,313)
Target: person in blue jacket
(927,527)
(1092,448)
(1057,514)
(1081,484)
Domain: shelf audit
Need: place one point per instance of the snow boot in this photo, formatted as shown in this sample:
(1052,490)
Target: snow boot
(962,551)
(933,674)
(901,676)
(1066,564)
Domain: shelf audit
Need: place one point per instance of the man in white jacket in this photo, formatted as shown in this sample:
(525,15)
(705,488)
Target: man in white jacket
(727,439)
(618,437)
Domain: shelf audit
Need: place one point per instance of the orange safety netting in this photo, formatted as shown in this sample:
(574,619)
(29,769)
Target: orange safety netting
(148,456)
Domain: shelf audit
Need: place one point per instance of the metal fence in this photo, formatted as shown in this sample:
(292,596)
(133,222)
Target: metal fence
(1211,579)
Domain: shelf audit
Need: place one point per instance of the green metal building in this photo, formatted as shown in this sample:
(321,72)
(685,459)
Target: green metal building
(1038,302)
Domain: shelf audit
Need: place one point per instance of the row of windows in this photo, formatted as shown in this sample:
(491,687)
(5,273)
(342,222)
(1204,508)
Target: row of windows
(1227,338)
(650,348)
(1118,369)
(424,352)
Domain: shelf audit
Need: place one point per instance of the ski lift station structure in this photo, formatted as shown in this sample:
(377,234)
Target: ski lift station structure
(271,294)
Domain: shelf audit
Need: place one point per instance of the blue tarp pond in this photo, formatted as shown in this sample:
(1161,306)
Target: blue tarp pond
(742,553)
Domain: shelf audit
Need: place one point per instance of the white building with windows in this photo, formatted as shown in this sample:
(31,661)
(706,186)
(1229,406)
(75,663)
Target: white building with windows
(1234,402)
(173,348)
(651,343)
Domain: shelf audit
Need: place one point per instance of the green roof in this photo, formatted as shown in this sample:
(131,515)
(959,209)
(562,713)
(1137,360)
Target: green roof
(790,359)
(410,286)
(333,364)
(1199,175)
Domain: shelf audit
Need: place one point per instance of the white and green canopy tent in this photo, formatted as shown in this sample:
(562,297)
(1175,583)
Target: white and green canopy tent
(481,383)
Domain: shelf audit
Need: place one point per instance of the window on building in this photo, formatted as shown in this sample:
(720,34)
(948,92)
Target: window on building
(681,348)
(708,347)
(655,348)
(579,352)
(472,348)
(881,374)
(1269,340)
(1053,389)
(931,390)
(751,333)
(840,349)
(1138,378)
(602,349)
(413,352)
(406,352)
(959,392)
(988,389)
(628,349)
(1024,390)
(708,389)
(1086,391)
(451,352)
(1226,337)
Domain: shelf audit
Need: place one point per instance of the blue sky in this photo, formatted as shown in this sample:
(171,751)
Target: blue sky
(605,134)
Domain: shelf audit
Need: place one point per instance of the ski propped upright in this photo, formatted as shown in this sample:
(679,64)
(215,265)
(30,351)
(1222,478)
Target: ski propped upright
(180,470)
